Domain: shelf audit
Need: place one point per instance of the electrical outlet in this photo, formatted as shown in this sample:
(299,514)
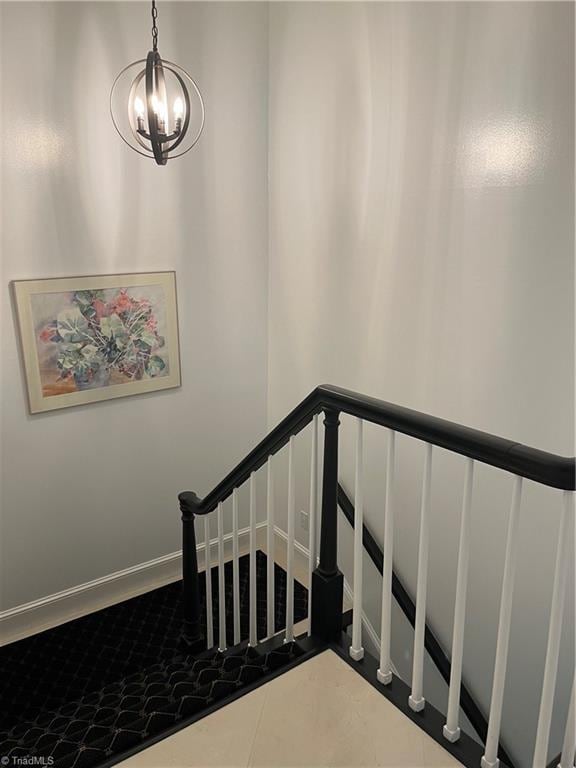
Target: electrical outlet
(304,519)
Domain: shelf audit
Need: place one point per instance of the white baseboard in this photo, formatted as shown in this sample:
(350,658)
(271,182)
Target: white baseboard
(299,549)
(52,610)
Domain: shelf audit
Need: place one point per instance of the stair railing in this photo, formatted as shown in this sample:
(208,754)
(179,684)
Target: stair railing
(325,610)
(406,604)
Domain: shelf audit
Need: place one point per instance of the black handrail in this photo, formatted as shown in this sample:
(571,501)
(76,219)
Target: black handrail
(407,606)
(540,466)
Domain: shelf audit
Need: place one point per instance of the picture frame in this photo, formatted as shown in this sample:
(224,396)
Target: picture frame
(92,338)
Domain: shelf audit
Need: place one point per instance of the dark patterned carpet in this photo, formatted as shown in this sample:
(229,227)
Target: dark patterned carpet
(91,689)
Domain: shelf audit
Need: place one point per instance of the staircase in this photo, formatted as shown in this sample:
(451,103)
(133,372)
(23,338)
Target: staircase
(326,603)
(96,690)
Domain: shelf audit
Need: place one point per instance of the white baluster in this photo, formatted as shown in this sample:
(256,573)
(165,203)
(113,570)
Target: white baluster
(235,568)
(253,635)
(416,699)
(290,544)
(221,582)
(384,673)
(313,503)
(270,547)
(451,729)
(554,631)
(356,649)
(490,758)
(569,744)
(208,574)
(319,494)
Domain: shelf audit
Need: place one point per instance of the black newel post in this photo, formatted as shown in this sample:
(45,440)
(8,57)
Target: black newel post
(327,581)
(192,638)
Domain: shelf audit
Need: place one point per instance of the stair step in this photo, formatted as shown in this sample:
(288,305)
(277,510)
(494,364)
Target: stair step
(90,730)
(87,704)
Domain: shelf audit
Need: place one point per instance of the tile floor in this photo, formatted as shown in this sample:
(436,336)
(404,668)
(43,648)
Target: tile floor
(322,713)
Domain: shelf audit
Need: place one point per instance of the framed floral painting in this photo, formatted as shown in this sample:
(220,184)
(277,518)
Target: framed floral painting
(86,339)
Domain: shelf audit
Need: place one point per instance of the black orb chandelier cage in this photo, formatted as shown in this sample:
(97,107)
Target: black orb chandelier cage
(156,107)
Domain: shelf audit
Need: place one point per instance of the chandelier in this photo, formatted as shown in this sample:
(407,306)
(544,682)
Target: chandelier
(156,106)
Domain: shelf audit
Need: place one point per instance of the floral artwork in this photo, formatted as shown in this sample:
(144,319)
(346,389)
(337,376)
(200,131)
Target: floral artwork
(101,337)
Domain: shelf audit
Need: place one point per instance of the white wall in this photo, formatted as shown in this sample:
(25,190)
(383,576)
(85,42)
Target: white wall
(421,250)
(91,490)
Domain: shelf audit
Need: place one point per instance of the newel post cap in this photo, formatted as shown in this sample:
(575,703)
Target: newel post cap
(189,503)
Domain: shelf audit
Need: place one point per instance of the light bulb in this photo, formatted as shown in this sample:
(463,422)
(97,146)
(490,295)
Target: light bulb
(139,107)
(159,108)
(178,108)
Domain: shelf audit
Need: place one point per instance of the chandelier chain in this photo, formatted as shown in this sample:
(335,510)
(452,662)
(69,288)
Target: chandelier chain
(154,27)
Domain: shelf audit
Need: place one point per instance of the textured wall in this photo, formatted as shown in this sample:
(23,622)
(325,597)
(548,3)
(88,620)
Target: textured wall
(421,250)
(91,490)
